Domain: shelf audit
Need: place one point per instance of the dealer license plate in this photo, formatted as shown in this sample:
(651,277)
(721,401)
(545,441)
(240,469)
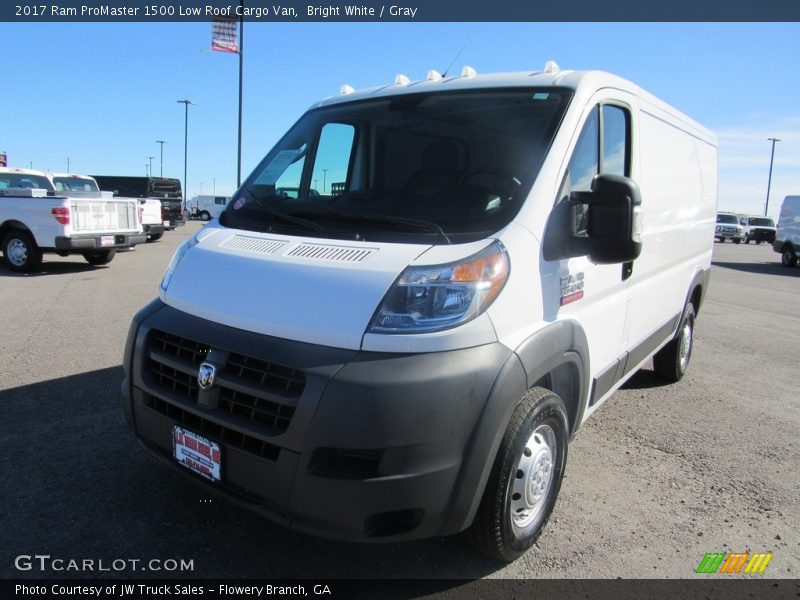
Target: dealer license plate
(197,453)
(107,240)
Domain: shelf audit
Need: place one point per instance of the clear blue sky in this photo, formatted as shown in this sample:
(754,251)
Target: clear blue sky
(101,94)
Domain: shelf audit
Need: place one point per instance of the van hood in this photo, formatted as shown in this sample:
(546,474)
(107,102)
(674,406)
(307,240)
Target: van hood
(304,289)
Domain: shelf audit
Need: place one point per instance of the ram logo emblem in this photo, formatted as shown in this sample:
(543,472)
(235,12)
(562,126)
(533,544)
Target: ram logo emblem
(206,375)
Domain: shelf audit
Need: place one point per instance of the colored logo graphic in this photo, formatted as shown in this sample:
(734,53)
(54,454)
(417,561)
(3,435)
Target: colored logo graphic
(734,562)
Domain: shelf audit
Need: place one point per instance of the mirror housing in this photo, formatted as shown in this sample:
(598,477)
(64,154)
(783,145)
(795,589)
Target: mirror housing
(612,221)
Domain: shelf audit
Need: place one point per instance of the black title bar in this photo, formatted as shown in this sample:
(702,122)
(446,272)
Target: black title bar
(291,11)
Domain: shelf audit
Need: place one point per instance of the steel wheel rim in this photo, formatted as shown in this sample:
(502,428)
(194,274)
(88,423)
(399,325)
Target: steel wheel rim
(685,344)
(17,252)
(533,477)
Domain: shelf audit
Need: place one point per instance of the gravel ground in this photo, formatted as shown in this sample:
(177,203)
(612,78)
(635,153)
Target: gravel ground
(657,478)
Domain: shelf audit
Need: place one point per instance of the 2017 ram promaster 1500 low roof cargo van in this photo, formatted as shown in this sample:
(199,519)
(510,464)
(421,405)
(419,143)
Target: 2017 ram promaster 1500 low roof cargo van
(403,348)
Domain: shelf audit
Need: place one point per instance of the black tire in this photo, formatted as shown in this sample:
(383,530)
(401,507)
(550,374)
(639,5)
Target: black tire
(100,257)
(205,216)
(523,461)
(155,237)
(736,240)
(21,252)
(670,363)
(788,257)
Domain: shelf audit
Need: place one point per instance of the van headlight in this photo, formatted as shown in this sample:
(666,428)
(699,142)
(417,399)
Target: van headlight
(425,299)
(176,259)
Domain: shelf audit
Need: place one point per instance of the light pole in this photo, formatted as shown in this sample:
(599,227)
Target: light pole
(186,104)
(162,142)
(769,180)
(146,170)
(68,164)
(150,164)
(324,179)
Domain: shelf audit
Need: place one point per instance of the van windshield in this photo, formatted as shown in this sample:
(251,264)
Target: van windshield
(727,219)
(438,168)
(762,222)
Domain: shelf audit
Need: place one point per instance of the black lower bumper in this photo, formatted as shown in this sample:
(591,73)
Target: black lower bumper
(96,242)
(154,229)
(761,236)
(379,447)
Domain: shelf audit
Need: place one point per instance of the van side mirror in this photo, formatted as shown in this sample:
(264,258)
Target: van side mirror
(609,215)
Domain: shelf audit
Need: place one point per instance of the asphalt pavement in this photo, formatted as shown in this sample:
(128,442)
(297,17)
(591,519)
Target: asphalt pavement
(661,475)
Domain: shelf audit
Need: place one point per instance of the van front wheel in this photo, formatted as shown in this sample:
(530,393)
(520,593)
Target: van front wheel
(671,361)
(525,479)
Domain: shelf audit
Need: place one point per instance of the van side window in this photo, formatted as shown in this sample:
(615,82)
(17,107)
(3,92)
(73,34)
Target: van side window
(332,160)
(603,147)
(616,148)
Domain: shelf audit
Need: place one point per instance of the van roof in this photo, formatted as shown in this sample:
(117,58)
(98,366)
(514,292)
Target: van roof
(585,83)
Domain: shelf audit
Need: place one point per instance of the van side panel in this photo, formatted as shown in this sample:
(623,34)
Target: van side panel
(678,181)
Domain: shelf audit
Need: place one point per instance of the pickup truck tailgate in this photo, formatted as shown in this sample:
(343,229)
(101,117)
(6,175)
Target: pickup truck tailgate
(103,216)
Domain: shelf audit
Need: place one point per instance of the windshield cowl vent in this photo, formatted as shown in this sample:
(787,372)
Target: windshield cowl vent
(255,245)
(343,254)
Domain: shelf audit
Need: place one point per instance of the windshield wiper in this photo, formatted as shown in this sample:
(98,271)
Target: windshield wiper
(281,216)
(383,220)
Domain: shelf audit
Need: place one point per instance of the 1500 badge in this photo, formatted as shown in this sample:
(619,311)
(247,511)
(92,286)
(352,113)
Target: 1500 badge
(571,288)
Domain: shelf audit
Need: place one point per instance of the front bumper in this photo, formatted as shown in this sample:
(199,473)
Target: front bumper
(359,446)
(762,235)
(95,241)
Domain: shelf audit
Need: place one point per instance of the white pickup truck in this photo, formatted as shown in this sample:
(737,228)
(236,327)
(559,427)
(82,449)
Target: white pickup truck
(72,184)
(34,219)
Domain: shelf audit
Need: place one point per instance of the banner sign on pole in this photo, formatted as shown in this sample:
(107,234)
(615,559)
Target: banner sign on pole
(224,35)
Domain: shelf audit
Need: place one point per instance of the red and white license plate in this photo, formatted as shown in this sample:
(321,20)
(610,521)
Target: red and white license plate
(107,240)
(197,453)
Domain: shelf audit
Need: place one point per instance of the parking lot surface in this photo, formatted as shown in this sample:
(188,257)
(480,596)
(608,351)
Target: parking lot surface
(660,476)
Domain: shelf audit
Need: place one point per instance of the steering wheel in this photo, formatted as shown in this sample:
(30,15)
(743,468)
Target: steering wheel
(512,181)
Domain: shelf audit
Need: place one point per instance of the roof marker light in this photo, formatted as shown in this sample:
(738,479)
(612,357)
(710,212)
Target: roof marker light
(468,72)
(401,79)
(433,75)
(346,89)
(551,66)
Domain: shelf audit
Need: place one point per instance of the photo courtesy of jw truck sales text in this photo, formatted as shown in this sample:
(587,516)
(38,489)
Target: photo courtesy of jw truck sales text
(419,295)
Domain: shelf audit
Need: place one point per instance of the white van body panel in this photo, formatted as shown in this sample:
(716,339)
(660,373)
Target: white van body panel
(788,229)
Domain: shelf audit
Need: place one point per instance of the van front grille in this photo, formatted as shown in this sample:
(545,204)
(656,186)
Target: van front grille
(249,388)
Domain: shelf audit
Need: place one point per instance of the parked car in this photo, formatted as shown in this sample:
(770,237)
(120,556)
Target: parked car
(728,228)
(787,237)
(35,218)
(759,229)
(410,354)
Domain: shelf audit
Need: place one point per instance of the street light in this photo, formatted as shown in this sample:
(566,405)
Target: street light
(162,142)
(186,104)
(150,164)
(769,180)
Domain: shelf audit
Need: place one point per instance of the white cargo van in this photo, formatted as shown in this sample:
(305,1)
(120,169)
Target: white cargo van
(787,236)
(402,349)
(206,208)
